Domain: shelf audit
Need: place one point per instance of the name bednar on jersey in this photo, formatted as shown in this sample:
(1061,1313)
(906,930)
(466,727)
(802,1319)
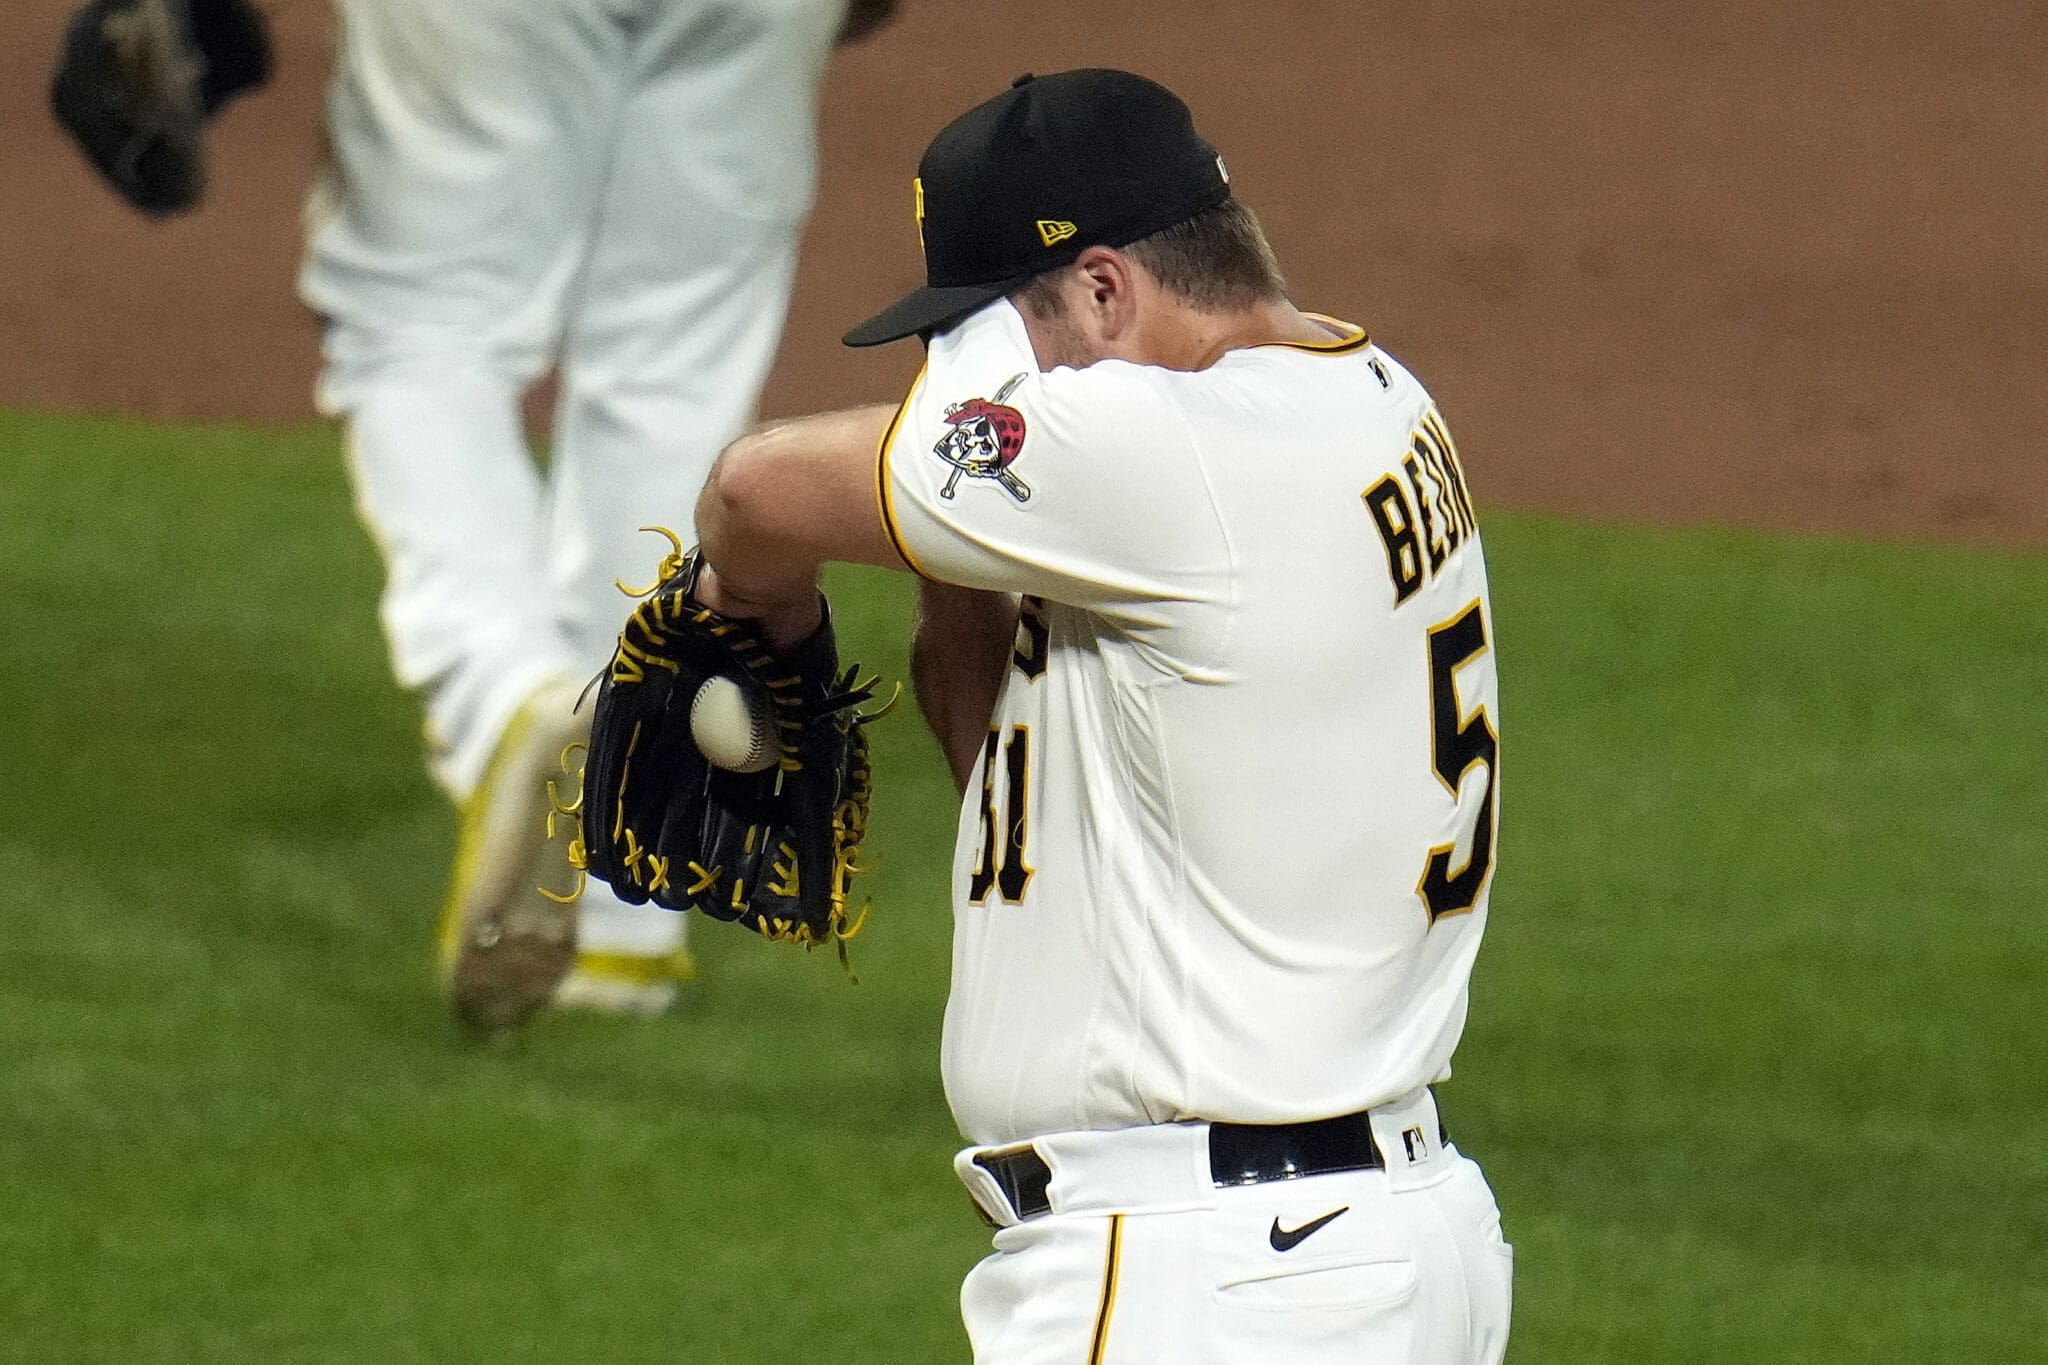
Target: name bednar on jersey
(1237,803)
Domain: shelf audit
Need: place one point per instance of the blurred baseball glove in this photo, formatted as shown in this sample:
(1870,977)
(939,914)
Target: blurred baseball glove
(864,17)
(772,848)
(137,80)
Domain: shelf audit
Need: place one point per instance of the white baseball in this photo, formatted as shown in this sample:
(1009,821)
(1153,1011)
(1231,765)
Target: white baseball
(733,728)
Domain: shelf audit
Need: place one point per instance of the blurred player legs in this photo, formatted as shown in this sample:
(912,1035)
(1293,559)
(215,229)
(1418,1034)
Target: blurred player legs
(514,181)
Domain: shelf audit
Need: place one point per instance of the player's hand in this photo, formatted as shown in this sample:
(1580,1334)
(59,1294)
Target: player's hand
(785,623)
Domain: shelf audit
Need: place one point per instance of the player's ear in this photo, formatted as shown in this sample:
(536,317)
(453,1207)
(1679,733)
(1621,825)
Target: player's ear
(1112,296)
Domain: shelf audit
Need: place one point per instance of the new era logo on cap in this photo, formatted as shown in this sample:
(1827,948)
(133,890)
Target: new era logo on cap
(1053,231)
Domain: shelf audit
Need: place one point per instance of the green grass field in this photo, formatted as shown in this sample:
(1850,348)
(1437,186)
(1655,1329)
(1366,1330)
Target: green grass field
(1756,1059)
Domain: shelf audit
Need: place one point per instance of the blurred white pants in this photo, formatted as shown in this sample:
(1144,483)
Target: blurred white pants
(1144,1261)
(614,186)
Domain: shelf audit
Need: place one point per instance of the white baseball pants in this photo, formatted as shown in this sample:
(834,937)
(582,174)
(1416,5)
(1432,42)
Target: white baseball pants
(616,186)
(1144,1261)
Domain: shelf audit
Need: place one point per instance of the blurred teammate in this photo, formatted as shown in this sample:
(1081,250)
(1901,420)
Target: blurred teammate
(1206,637)
(612,186)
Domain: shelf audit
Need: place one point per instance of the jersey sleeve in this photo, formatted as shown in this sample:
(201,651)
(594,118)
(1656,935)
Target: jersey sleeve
(1079,486)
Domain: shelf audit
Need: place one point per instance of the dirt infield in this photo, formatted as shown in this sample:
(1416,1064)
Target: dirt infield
(1724,262)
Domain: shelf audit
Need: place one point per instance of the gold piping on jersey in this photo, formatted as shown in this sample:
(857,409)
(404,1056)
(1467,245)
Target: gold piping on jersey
(1109,1269)
(917,189)
(1343,345)
(884,497)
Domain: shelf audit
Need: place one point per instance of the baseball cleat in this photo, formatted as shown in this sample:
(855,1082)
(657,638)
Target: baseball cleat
(508,931)
(624,983)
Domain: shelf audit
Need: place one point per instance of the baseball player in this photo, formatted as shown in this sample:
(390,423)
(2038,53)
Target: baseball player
(616,186)
(1189,554)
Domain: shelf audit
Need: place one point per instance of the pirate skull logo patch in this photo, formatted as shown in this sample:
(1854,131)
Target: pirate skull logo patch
(984,437)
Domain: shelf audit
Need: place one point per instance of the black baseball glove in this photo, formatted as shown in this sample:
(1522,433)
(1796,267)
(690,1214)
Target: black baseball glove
(864,17)
(773,849)
(137,81)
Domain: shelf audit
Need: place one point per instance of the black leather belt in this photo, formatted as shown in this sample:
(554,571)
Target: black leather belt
(1254,1153)
(1239,1154)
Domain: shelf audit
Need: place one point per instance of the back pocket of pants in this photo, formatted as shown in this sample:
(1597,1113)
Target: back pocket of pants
(1324,1286)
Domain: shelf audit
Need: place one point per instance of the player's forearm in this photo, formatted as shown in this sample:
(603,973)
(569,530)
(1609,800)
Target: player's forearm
(957,657)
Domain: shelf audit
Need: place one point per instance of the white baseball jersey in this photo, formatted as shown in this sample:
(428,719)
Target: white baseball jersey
(1227,850)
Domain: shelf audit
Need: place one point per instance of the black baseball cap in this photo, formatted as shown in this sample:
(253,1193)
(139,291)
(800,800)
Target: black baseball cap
(1027,181)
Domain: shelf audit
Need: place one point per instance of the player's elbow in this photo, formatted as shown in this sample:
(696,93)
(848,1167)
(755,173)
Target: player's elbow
(736,511)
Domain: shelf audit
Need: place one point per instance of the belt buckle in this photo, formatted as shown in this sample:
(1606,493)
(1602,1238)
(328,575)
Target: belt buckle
(1020,1176)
